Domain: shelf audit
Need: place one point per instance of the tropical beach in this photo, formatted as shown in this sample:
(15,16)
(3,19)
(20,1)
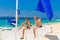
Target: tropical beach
(29,20)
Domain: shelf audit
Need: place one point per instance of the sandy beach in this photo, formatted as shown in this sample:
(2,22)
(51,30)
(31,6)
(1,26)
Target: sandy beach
(52,34)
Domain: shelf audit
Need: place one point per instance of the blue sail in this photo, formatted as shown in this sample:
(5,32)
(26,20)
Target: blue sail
(45,6)
(18,12)
(13,22)
(40,7)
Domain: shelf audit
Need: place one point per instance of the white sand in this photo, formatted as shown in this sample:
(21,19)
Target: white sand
(10,35)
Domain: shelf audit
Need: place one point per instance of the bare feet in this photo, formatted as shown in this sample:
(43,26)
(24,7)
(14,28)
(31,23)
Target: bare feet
(22,38)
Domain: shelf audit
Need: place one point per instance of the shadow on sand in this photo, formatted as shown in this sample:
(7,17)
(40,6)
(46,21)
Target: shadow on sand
(52,37)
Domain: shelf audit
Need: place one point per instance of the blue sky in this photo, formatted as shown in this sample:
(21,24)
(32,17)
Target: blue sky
(30,5)
(7,8)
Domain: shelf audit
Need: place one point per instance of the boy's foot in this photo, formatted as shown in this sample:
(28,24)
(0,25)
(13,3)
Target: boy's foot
(22,38)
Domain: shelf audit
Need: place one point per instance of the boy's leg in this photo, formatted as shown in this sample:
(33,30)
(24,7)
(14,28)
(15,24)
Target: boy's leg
(34,30)
(23,33)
